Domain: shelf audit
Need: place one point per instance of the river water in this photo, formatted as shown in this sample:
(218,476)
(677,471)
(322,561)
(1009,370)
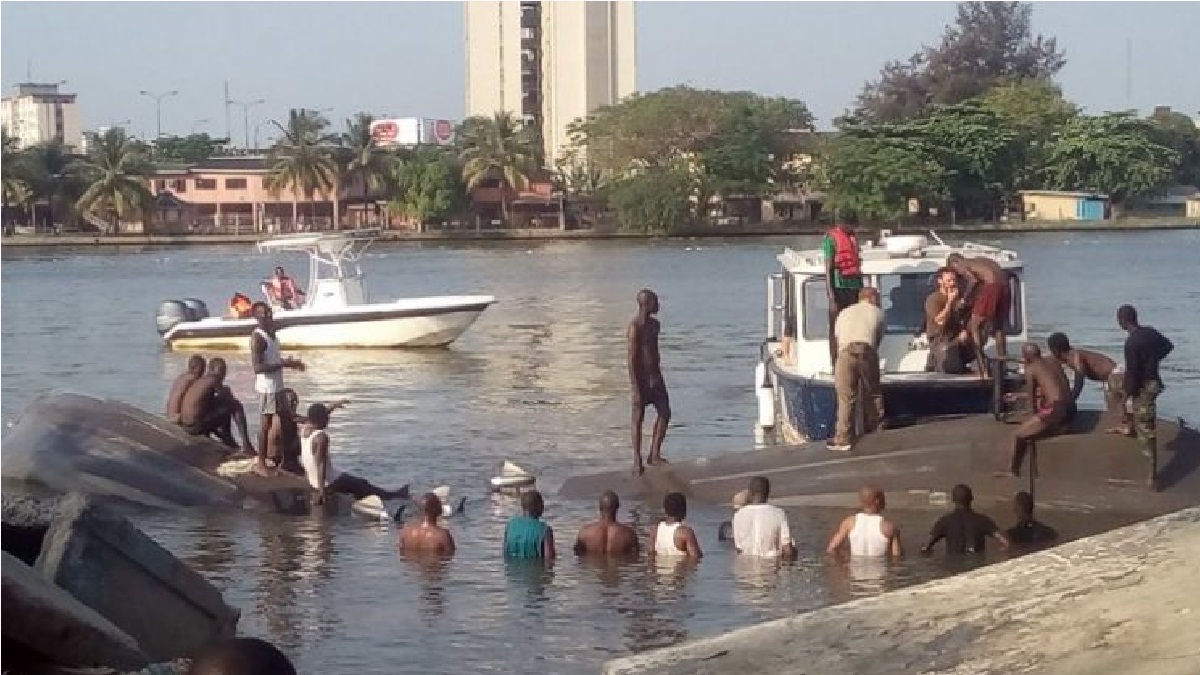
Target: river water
(539,380)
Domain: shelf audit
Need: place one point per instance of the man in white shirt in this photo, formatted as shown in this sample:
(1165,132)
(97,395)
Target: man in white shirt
(761,529)
(859,330)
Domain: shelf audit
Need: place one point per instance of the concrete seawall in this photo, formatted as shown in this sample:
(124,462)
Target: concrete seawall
(1121,602)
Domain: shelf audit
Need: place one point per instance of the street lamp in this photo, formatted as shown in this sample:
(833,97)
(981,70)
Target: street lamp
(158,99)
(246,106)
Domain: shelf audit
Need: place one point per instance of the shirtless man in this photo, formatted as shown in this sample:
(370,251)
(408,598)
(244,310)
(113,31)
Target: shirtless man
(195,369)
(1097,367)
(209,407)
(606,536)
(991,301)
(646,380)
(426,536)
(1050,398)
(268,362)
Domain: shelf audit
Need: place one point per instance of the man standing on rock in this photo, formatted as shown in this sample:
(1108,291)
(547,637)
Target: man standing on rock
(843,273)
(991,302)
(1145,348)
(267,359)
(646,379)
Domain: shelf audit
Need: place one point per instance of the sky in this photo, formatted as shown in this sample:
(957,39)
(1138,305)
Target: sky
(406,58)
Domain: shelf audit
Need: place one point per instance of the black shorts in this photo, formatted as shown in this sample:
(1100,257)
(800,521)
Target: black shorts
(843,298)
(216,418)
(657,396)
(351,485)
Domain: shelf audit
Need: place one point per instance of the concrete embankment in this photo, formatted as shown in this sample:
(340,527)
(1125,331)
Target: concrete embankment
(1121,602)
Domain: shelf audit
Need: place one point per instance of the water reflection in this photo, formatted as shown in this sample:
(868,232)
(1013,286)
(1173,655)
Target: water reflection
(291,587)
(430,569)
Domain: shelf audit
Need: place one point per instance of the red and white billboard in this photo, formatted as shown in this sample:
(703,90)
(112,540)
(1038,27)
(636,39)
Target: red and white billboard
(409,131)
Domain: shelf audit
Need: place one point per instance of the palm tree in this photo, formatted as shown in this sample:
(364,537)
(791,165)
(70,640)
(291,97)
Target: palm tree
(372,165)
(300,160)
(497,147)
(115,171)
(16,187)
(52,173)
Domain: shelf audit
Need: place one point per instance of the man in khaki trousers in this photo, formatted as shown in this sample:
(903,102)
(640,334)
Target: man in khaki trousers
(859,330)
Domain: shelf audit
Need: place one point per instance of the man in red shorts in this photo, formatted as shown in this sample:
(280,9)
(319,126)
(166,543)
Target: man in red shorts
(991,302)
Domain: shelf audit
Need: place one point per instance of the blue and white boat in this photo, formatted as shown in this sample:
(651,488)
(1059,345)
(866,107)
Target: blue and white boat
(796,395)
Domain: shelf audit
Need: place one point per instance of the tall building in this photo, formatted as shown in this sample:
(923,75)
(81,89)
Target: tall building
(549,63)
(40,112)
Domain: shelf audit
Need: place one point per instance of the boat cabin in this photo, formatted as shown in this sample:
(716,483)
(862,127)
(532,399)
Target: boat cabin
(335,280)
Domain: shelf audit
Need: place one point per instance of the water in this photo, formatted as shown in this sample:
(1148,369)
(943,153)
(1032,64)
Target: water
(539,380)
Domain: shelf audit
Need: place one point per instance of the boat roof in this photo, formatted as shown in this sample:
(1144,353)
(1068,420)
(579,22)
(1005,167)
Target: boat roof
(318,240)
(900,254)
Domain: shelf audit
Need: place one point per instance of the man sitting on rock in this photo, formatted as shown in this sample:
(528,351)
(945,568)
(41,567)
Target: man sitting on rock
(195,370)
(210,408)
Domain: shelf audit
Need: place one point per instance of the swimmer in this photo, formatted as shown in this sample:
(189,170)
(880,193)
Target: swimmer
(426,535)
(868,531)
(606,536)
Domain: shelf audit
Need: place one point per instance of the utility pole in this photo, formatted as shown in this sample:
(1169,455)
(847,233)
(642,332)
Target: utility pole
(246,106)
(1129,72)
(158,99)
(228,132)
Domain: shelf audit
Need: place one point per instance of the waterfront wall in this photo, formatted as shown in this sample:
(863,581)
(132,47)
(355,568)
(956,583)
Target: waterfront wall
(1120,602)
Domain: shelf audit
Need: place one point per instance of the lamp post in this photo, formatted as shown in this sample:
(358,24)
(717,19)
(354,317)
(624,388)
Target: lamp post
(246,106)
(158,99)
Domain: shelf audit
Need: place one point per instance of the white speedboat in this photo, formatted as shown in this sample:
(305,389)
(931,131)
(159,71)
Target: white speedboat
(797,390)
(336,312)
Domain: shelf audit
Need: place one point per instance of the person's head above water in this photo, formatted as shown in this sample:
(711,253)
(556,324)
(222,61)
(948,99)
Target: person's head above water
(241,656)
(431,507)
(675,506)
(647,301)
(1058,344)
(195,364)
(1030,352)
(1127,317)
(532,504)
(1023,505)
(759,489)
(871,499)
(962,496)
(217,368)
(609,504)
(318,415)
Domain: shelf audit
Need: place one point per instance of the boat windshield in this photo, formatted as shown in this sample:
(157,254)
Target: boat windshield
(902,297)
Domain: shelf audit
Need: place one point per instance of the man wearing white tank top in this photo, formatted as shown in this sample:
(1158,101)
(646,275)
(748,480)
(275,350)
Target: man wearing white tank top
(671,537)
(868,532)
(268,362)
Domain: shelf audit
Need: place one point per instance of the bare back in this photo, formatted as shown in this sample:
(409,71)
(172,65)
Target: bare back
(175,397)
(608,539)
(643,349)
(1048,381)
(426,538)
(1092,365)
(197,398)
(985,270)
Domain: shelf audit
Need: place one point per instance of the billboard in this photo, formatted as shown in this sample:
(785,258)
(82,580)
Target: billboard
(409,131)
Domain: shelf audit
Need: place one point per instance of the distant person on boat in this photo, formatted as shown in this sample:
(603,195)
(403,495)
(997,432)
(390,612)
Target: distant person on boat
(241,656)
(1028,530)
(1145,348)
(868,532)
(761,529)
(964,530)
(322,477)
(526,536)
(1050,400)
(725,529)
(843,273)
(195,370)
(859,330)
(646,379)
(1094,366)
(268,362)
(607,536)
(209,408)
(672,537)
(283,291)
(950,347)
(426,535)
(991,300)
(240,306)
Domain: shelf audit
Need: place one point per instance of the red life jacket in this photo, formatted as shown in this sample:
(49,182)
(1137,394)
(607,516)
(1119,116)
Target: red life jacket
(845,257)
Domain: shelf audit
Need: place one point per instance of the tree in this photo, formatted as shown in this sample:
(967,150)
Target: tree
(190,149)
(1034,110)
(874,172)
(299,161)
(977,151)
(53,174)
(1178,132)
(658,200)
(17,191)
(497,147)
(116,170)
(428,186)
(371,165)
(1116,154)
(989,43)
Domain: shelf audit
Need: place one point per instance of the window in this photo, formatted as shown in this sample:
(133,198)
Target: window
(789,304)
(179,185)
(235,183)
(902,297)
(816,308)
(1014,325)
(160,185)
(206,184)
(526,33)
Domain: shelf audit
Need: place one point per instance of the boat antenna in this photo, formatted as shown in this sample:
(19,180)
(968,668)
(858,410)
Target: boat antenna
(937,238)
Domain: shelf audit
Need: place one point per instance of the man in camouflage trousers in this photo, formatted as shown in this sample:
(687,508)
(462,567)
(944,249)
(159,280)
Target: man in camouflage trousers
(1145,348)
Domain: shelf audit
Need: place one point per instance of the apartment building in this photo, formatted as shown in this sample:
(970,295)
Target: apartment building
(37,113)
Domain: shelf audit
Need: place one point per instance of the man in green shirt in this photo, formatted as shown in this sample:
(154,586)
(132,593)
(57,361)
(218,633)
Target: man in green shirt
(843,270)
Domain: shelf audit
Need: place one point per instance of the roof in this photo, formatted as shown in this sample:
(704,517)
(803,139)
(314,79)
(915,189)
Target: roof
(1062,193)
(247,163)
(908,254)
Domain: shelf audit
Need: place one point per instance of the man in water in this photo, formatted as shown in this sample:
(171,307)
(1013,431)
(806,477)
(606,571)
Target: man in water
(671,537)
(1094,366)
(195,369)
(241,656)
(859,330)
(427,536)
(843,273)
(964,530)
(209,407)
(1145,348)
(992,300)
(526,536)
(646,379)
(318,468)
(1050,400)
(268,361)
(607,537)
(949,342)
(868,531)
(1027,530)
(761,529)
(725,529)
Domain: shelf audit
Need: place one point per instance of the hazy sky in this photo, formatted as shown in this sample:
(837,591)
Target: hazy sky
(406,58)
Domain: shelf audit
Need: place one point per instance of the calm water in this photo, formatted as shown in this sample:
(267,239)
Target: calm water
(540,380)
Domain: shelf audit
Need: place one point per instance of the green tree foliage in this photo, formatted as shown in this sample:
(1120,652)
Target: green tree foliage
(656,200)
(115,172)
(1178,132)
(976,149)
(300,161)
(1034,110)
(1116,154)
(54,176)
(874,172)
(988,43)
(500,148)
(190,149)
(428,186)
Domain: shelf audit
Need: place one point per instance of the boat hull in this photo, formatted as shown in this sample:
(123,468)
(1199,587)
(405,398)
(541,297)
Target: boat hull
(367,327)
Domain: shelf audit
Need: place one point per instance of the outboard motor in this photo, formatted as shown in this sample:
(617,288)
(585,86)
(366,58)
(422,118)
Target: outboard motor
(199,310)
(170,313)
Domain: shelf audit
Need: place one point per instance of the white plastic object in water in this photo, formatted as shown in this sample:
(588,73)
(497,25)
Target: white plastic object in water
(906,244)
(512,476)
(766,397)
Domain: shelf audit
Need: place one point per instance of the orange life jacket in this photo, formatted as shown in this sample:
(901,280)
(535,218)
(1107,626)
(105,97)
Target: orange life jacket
(846,259)
(240,306)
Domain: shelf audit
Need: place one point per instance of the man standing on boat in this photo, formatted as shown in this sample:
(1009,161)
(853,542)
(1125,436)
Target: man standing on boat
(646,379)
(268,362)
(1145,348)
(843,273)
(991,299)
(859,330)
